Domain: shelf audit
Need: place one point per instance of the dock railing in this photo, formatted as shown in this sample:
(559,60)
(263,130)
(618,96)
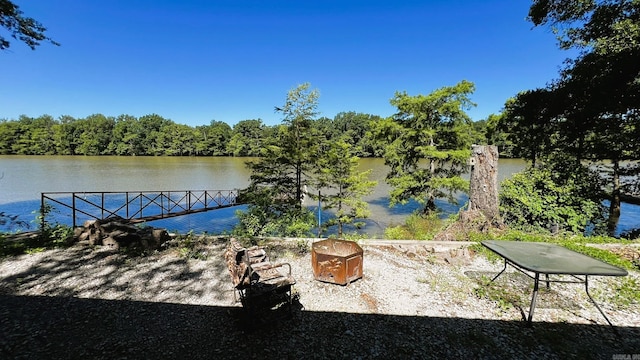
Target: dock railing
(137,206)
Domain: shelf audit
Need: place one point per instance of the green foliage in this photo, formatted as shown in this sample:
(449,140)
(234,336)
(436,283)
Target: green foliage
(259,221)
(20,27)
(285,163)
(279,177)
(602,26)
(417,227)
(503,296)
(125,135)
(574,242)
(397,233)
(625,292)
(153,135)
(247,138)
(591,112)
(427,144)
(355,129)
(343,186)
(190,246)
(540,197)
(601,254)
(50,236)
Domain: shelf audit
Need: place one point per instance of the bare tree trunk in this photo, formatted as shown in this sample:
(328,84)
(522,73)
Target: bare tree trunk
(483,191)
(614,207)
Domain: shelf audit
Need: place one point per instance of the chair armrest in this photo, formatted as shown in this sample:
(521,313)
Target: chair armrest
(273,266)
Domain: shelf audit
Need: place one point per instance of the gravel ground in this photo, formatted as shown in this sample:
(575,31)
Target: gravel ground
(416,300)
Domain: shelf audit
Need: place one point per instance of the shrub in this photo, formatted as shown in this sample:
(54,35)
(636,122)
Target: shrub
(541,197)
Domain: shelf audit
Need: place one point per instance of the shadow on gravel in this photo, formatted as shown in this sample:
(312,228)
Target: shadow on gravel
(81,271)
(72,328)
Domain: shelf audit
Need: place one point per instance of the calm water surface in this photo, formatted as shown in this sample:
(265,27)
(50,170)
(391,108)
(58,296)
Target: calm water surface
(25,177)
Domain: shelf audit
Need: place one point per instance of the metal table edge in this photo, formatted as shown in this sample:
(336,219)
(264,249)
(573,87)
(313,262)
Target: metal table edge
(623,272)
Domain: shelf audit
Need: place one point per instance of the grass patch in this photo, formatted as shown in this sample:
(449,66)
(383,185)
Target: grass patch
(19,244)
(191,246)
(416,227)
(604,255)
(573,242)
(501,295)
(490,255)
(623,293)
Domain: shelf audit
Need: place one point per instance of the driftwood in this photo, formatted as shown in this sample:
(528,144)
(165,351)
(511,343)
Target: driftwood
(116,232)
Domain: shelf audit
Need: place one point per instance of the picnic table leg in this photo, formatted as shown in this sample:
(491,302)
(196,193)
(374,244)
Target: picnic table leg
(548,282)
(533,298)
(500,273)
(586,287)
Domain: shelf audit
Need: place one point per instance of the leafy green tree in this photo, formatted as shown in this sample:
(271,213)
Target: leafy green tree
(428,145)
(22,141)
(127,137)
(296,138)
(604,26)
(42,136)
(356,126)
(494,135)
(65,135)
(154,140)
(559,193)
(592,111)
(20,27)
(343,187)
(212,139)
(95,132)
(9,131)
(325,129)
(247,138)
(279,176)
(527,121)
(33,136)
(286,163)
(179,140)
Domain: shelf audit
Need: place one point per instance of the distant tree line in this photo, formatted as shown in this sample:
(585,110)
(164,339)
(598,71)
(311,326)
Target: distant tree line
(154,135)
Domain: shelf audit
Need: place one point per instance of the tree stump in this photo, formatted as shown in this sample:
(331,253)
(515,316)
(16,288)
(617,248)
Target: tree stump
(483,190)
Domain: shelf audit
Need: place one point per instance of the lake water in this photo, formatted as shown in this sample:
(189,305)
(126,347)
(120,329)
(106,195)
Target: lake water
(24,178)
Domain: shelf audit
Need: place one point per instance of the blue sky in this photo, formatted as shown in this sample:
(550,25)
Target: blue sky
(194,61)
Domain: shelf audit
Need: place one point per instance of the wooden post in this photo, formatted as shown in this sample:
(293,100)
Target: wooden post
(483,190)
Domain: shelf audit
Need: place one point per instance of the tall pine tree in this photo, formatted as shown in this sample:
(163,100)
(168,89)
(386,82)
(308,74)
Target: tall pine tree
(428,144)
(280,175)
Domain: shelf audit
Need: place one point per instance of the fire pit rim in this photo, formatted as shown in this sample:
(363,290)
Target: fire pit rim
(339,266)
(320,247)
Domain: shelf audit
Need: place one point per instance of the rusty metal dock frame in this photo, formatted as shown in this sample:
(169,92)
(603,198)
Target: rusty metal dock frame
(166,203)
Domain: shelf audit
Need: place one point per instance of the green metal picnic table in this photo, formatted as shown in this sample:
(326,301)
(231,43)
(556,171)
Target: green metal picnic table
(551,259)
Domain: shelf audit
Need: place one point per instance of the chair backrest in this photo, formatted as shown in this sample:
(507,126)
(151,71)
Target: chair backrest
(235,256)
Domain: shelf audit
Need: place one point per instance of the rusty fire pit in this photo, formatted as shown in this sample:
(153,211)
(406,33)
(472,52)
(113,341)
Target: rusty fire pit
(336,261)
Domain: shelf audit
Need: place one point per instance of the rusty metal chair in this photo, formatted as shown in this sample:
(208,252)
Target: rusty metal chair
(257,282)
